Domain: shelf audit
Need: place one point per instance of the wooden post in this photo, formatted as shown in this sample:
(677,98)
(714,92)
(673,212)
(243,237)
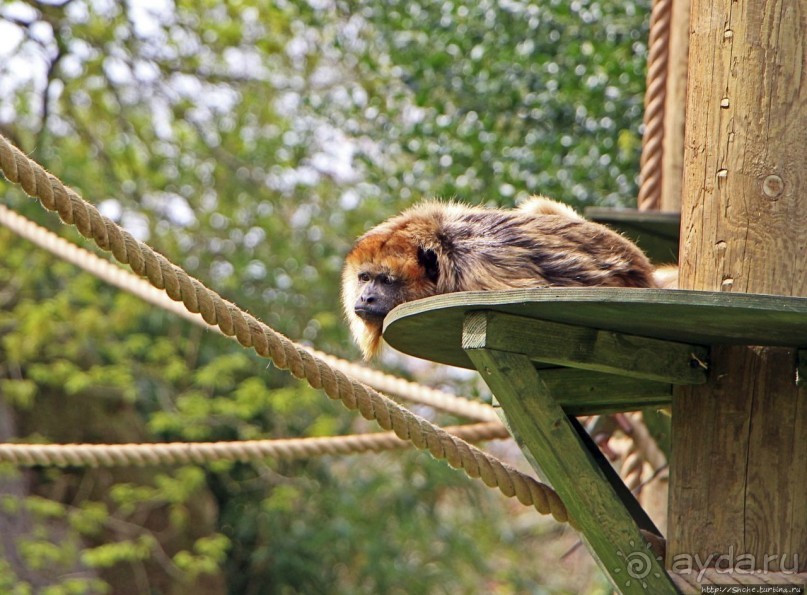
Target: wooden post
(673,163)
(739,469)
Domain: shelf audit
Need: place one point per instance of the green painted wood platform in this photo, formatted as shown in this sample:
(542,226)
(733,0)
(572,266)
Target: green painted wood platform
(550,354)
(432,328)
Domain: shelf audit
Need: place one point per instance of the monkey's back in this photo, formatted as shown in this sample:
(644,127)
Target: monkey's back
(489,249)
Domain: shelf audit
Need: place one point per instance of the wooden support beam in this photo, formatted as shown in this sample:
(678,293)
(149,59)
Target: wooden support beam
(672,165)
(738,471)
(545,430)
(587,348)
(582,392)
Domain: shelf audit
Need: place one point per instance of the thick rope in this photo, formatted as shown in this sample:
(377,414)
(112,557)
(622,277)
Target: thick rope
(411,391)
(250,332)
(125,280)
(174,453)
(643,449)
(650,170)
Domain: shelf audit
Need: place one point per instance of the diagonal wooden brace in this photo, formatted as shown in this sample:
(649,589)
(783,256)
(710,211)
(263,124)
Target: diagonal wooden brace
(564,458)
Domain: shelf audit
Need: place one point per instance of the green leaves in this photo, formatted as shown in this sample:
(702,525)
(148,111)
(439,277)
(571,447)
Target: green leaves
(111,554)
(251,142)
(207,556)
(541,84)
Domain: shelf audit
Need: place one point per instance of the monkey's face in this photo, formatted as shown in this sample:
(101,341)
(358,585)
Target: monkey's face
(380,288)
(379,292)
(369,292)
(381,272)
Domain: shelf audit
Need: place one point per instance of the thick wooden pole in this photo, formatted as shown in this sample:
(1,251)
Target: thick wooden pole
(673,163)
(738,486)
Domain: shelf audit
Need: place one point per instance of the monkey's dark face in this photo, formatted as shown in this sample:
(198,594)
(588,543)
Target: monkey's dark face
(382,271)
(380,289)
(379,292)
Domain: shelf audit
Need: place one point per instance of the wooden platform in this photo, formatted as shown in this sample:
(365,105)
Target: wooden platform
(432,328)
(550,354)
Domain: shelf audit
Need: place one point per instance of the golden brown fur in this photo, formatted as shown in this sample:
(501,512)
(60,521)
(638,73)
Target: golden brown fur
(666,277)
(442,247)
(541,205)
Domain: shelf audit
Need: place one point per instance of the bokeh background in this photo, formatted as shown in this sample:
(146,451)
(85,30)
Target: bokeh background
(250,142)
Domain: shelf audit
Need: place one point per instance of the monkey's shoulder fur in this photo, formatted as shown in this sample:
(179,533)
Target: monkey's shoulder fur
(443,247)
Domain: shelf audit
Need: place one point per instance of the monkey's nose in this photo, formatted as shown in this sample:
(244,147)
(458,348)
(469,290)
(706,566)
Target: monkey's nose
(366,308)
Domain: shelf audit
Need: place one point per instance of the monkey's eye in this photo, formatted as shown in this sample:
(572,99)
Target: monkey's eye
(364,277)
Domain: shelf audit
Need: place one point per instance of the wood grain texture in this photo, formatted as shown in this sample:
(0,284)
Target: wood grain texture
(675,108)
(744,225)
(738,475)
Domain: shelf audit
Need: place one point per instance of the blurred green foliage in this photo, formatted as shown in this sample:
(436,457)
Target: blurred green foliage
(251,142)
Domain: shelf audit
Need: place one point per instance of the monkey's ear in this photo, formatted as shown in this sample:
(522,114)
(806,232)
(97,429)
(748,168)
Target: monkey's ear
(428,260)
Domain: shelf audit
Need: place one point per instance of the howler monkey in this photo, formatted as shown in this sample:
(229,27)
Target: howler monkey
(443,247)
